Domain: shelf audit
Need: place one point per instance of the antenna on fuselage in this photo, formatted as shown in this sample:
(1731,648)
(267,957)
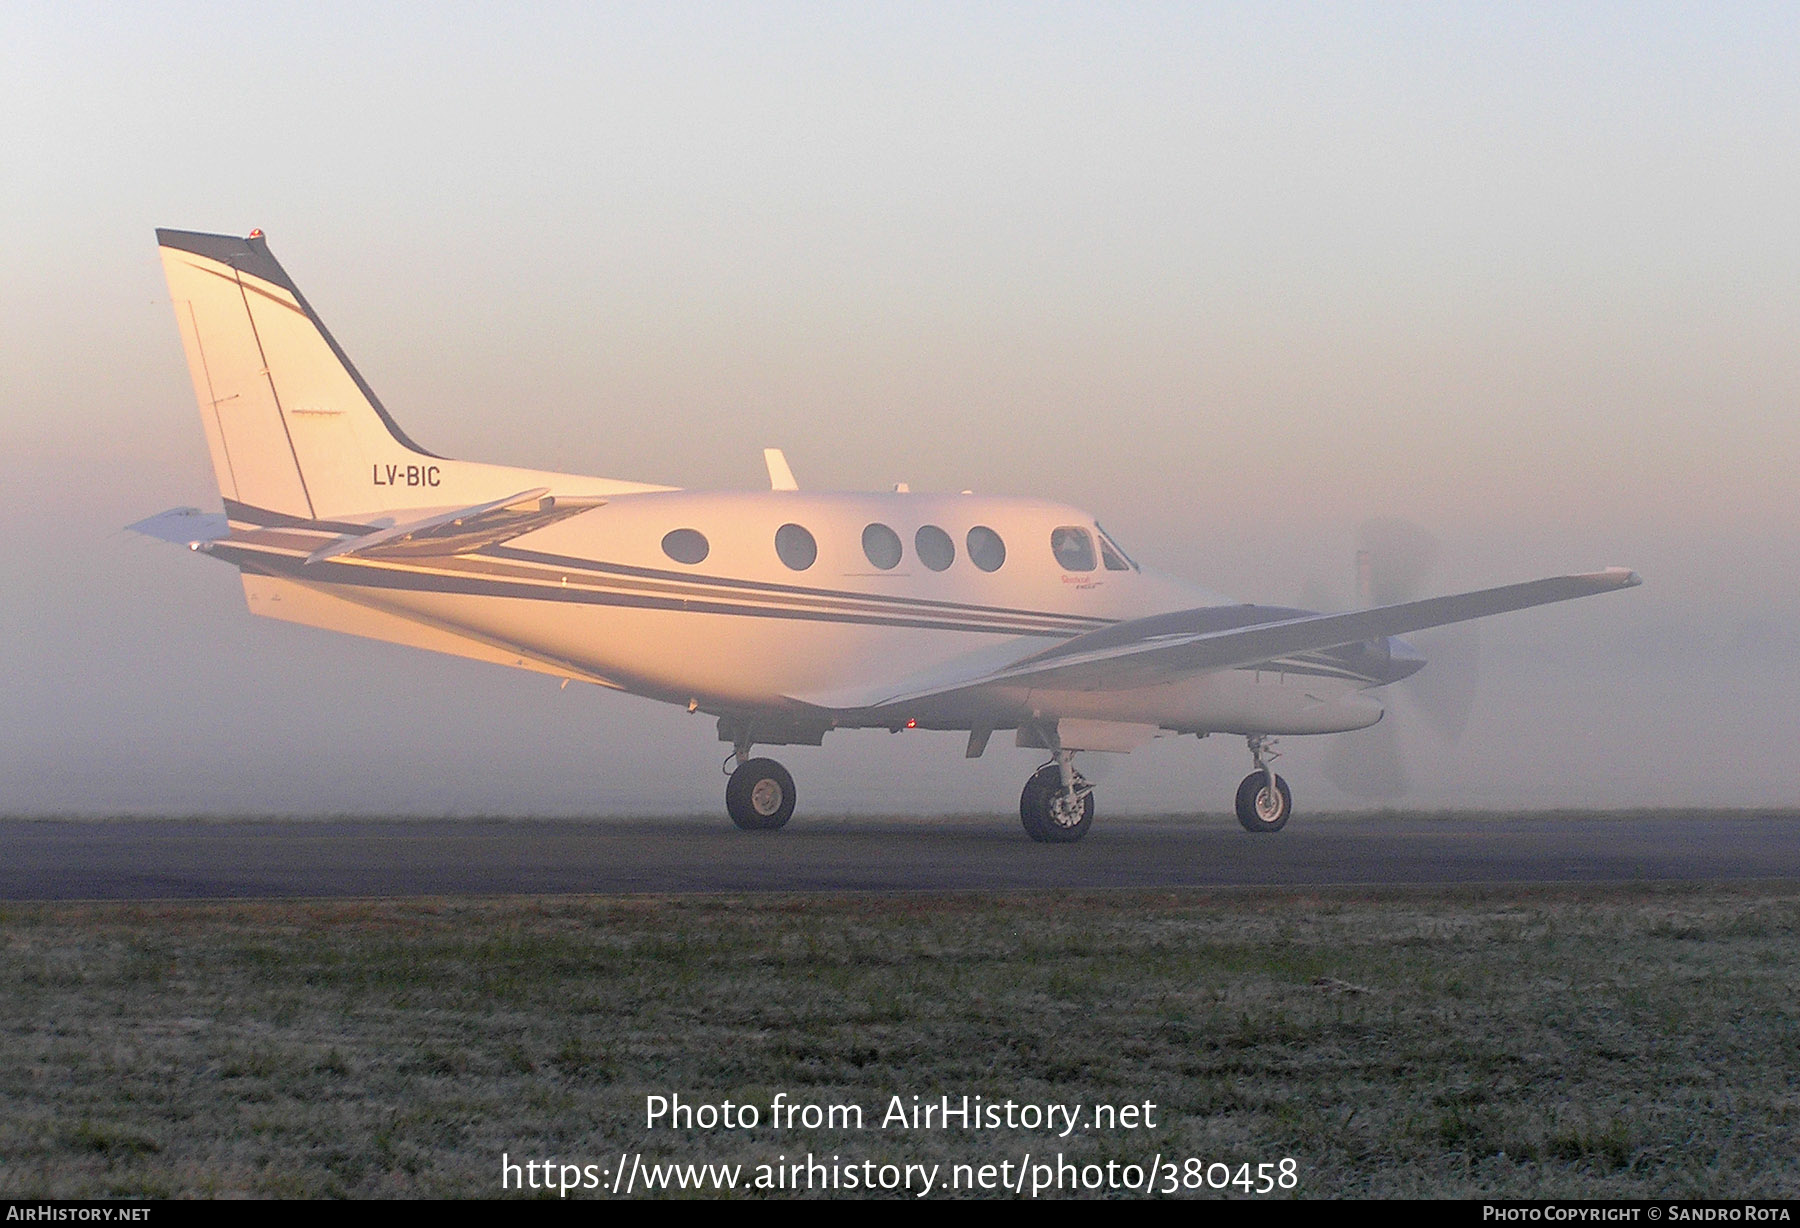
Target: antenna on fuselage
(780,476)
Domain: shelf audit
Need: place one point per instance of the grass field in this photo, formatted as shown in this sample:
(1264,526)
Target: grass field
(1604,1041)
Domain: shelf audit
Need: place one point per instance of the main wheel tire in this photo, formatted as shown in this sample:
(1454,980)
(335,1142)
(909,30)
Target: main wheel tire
(760,795)
(1260,810)
(1050,818)
(1034,808)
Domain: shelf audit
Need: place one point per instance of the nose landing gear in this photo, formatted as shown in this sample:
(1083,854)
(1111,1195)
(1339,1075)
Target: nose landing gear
(1263,800)
(1057,805)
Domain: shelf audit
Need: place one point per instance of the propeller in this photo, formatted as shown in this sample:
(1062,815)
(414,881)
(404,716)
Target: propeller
(1395,561)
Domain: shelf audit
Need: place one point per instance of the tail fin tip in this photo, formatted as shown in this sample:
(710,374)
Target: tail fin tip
(249,254)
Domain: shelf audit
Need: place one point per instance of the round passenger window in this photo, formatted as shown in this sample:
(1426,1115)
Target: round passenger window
(934,547)
(882,545)
(796,547)
(986,550)
(686,546)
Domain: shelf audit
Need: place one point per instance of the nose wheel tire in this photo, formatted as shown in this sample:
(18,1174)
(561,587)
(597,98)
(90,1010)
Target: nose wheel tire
(1052,815)
(1259,809)
(760,795)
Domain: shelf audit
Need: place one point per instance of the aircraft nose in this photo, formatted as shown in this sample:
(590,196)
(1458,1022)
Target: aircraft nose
(1403,659)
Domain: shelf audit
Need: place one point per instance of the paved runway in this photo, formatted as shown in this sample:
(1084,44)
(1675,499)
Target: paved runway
(166,858)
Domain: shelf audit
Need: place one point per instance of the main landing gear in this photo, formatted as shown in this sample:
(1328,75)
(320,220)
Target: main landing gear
(759,796)
(1057,806)
(1263,800)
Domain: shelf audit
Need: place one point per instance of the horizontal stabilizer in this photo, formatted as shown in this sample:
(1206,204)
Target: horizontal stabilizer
(185,526)
(460,530)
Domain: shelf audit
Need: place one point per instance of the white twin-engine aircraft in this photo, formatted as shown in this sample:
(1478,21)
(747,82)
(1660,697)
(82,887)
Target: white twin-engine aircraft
(783,613)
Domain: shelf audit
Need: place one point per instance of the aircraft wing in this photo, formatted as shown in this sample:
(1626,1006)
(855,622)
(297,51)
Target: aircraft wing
(1146,652)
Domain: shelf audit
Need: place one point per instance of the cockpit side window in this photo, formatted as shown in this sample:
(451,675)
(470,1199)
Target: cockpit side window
(1110,553)
(1073,548)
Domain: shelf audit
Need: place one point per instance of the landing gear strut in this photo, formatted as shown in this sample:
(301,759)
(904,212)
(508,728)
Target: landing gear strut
(1263,800)
(760,794)
(1057,806)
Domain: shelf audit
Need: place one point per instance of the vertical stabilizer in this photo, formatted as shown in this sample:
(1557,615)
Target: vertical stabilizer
(291,425)
(293,430)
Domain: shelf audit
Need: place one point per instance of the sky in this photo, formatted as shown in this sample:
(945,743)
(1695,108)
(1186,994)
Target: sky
(1236,278)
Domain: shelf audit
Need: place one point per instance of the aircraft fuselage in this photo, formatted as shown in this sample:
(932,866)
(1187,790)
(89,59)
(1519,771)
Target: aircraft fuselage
(764,605)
